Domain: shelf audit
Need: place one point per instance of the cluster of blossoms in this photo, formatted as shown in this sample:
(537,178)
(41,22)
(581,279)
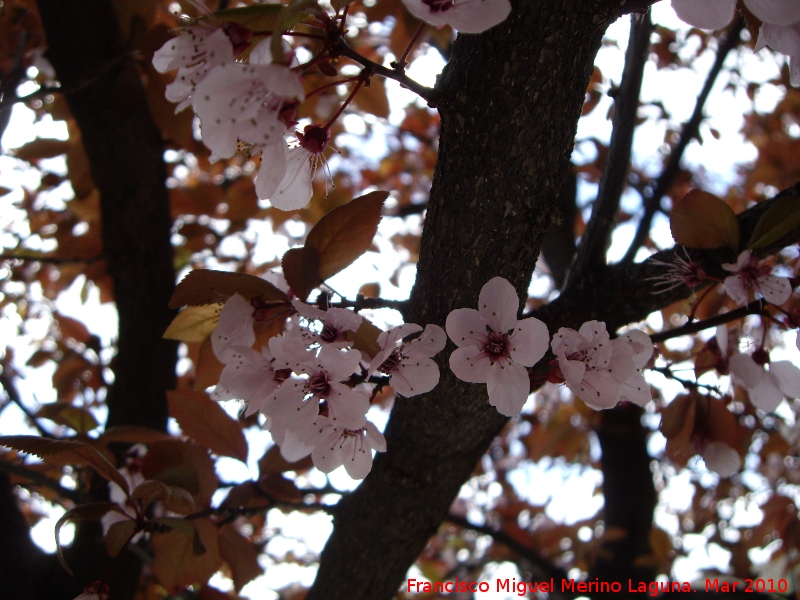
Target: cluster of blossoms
(780,28)
(253,106)
(315,389)
(313,386)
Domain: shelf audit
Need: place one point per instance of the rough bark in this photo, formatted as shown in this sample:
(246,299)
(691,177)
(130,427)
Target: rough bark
(510,103)
(125,150)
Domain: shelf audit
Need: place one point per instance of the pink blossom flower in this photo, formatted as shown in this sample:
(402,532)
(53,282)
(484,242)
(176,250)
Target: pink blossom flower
(409,364)
(302,161)
(248,376)
(766,388)
(336,322)
(749,276)
(332,446)
(243,102)
(682,270)
(235,328)
(494,347)
(194,53)
(466,16)
(296,401)
(600,371)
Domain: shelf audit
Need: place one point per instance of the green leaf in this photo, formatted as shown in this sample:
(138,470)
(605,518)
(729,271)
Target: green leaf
(702,220)
(193,323)
(778,220)
(118,536)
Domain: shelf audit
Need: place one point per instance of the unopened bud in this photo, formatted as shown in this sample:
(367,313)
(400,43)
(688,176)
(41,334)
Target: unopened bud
(239,35)
(761,356)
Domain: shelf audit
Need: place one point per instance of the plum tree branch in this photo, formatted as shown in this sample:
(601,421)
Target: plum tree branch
(594,243)
(656,190)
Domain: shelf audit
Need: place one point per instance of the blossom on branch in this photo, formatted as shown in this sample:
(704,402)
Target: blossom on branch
(601,371)
(767,388)
(466,16)
(494,347)
(749,275)
(409,364)
(235,328)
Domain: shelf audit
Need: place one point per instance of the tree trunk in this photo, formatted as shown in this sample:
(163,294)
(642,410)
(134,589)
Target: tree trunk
(510,103)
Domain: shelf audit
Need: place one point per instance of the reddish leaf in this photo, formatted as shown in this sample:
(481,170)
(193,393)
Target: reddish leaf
(41,148)
(133,434)
(207,423)
(184,464)
(204,286)
(346,232)
(241,556)
(67,452)
(701,220)
(301,269)
(208,369)
(273,463)
(175,562)
(365,338)
(74,417)
(779,220)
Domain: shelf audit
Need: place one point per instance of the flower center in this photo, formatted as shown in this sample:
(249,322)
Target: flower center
(391,364)
(318,384)
(330,334)
(314,138)
(496,345)
(439,5)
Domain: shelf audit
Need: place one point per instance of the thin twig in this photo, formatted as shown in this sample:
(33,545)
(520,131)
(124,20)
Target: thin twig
(667,372)
(52,260)
(13,395)
(342,48)
(42,480)
(502,537)
(361,302)
(594,243)
(756,307)
(655,191)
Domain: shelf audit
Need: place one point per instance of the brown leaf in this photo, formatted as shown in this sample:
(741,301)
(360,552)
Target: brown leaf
(184,464)
(273,462)
(66,452)
(41,148)
(207,423)
(132,434)
(204,286)
(208,369)
(301,269)
(175,563)
(345,233)
(702,220)
(372,98)
(241,556)
(74,417)
(365,338)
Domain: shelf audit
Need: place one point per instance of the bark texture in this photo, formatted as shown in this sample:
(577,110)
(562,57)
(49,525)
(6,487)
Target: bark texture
(510,102)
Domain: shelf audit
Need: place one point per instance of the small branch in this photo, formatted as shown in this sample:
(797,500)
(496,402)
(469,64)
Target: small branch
(342,48)
(362,302)
(42,480)
(595,241)
(13,395)
(756,307)
(689,385)
(229,514)
(500,536)
(52,260)
(654,192)
(12,99)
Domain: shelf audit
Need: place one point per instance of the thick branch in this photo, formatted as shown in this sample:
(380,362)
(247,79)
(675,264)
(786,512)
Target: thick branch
(594,243)
(658,189)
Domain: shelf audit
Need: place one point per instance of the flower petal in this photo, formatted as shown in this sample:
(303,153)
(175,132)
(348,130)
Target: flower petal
(777,290)
(706,14)
(415,378)
(470,364)
(498,304)
(508,387)
(465,327)
(779,12)
(529,342)
(295,190)
(722,459)
(787,377)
